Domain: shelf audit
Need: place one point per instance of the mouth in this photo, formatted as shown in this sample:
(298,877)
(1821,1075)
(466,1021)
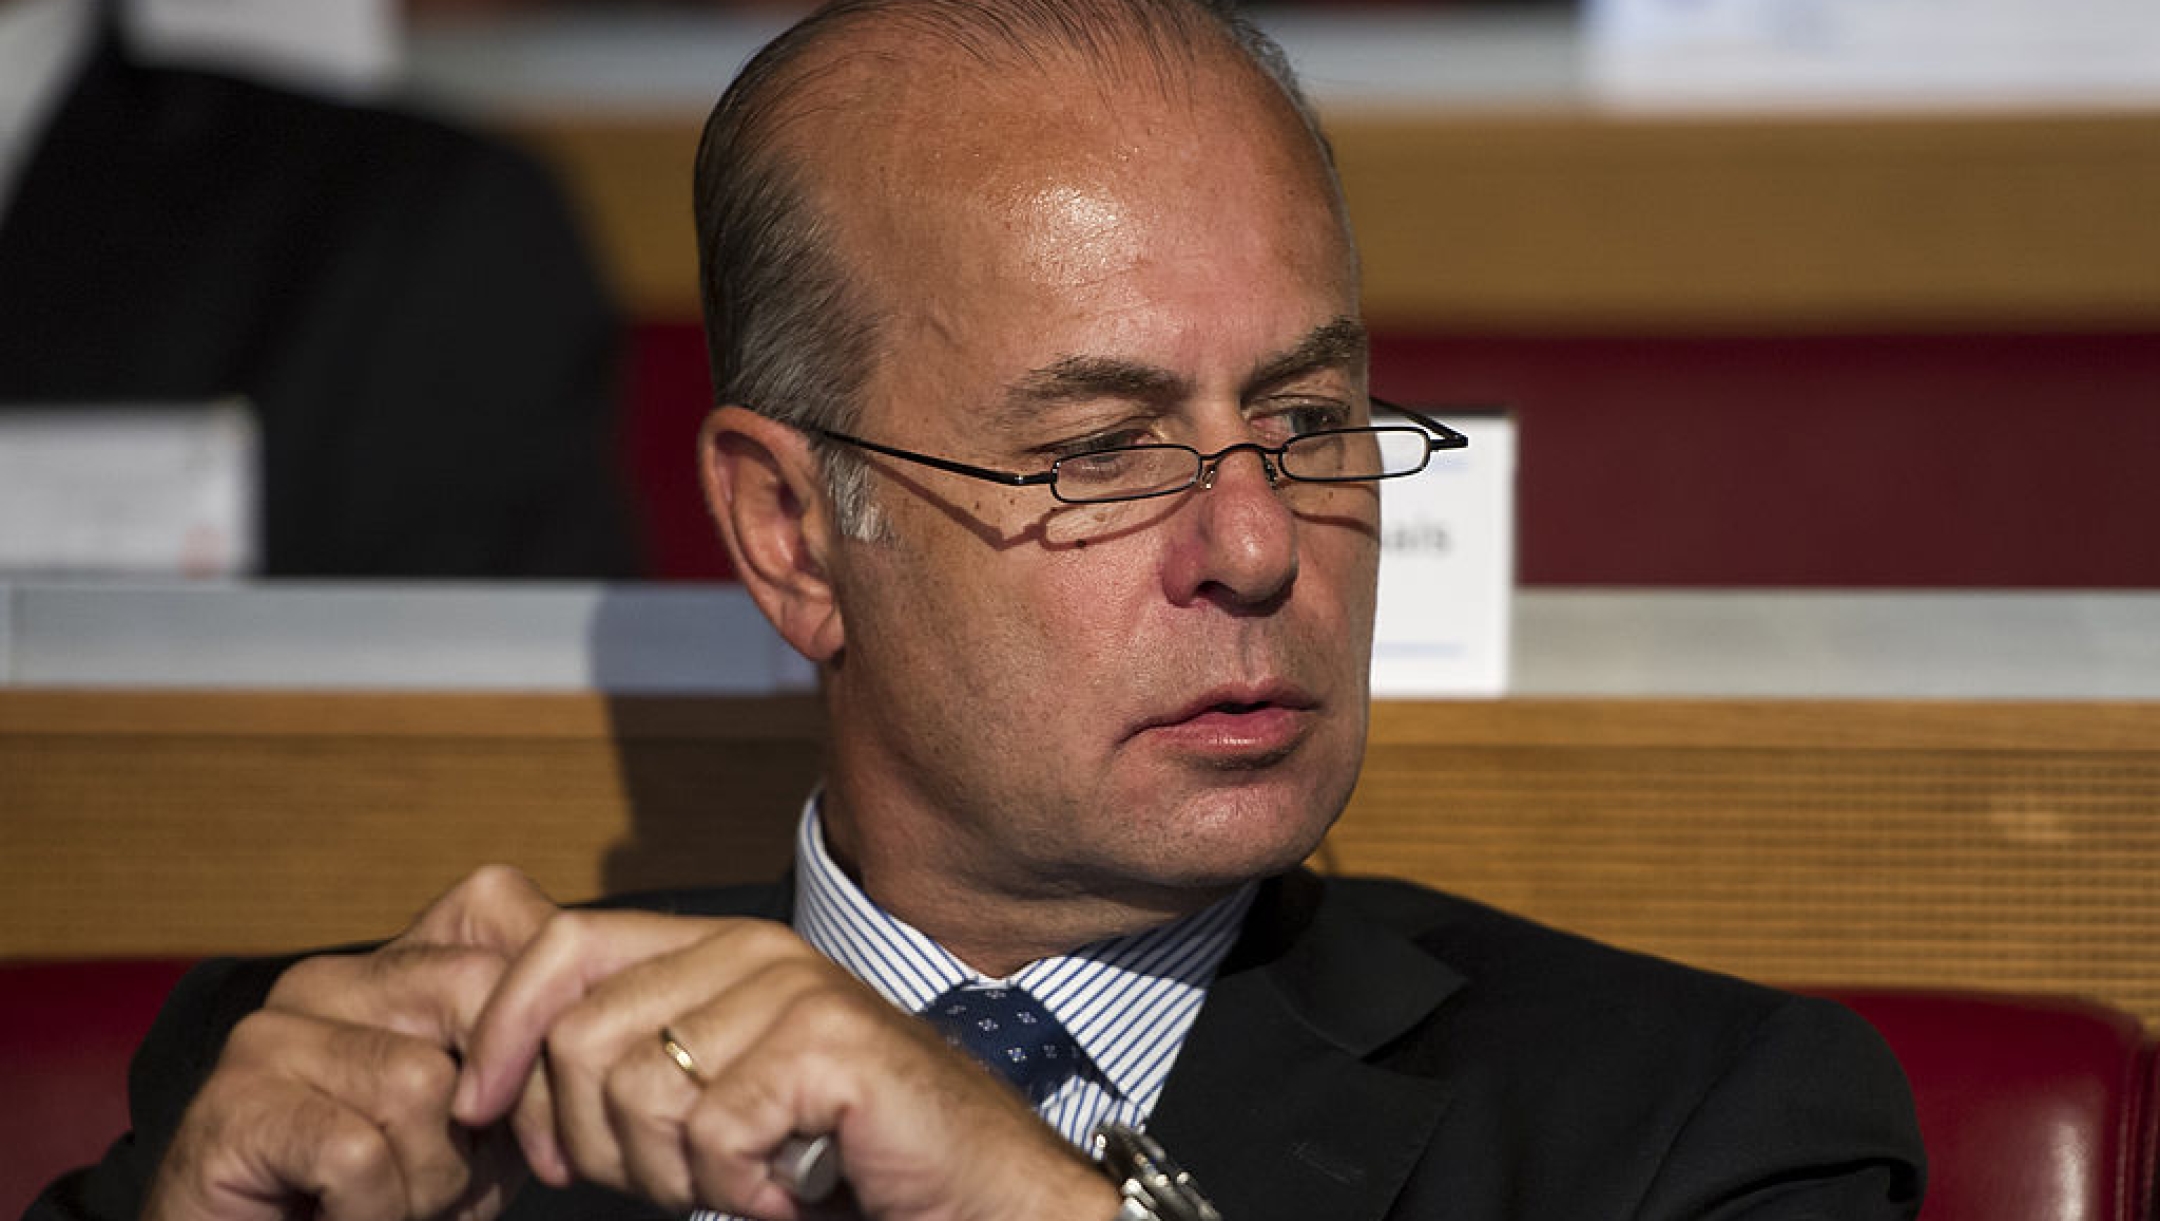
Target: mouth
(1239,720)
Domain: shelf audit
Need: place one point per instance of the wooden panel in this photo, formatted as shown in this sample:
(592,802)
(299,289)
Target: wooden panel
(1569,222)
(190,823)
(2002,845)
(2011,845)
(1587,224)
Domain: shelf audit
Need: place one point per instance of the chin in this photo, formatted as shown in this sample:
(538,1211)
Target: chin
(1228,839)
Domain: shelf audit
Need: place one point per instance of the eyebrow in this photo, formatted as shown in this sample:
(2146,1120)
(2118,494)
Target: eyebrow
(1337,343)
(1079,378)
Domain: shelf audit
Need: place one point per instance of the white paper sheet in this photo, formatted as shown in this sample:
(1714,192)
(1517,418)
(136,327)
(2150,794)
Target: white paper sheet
(1874,54)
(129,490)
(1447,569)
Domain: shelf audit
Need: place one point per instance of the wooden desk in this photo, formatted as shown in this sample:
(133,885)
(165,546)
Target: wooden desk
(1999,844)
(1559,222)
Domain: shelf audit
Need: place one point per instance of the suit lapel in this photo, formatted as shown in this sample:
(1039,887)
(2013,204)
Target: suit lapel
(1274,1104)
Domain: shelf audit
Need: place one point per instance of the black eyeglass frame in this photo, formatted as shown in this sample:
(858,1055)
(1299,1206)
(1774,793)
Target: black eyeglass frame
(1438,437)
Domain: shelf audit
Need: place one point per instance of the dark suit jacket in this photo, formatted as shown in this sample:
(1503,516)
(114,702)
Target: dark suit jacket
(1375,1050)
(409,307)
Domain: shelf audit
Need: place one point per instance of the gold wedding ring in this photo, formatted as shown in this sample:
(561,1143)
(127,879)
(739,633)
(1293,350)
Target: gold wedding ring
(808,1166)
(679,1054)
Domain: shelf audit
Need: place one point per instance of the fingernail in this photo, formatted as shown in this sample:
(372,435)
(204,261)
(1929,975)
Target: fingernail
(466,1098)
(554,1168)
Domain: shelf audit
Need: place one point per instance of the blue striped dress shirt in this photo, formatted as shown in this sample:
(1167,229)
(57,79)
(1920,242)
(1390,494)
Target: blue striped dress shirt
(1128,1001)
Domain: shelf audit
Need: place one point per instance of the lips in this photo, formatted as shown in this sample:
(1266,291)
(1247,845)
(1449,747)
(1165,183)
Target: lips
(1236,719)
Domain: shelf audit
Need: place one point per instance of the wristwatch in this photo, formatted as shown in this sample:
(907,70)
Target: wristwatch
(1154,1187)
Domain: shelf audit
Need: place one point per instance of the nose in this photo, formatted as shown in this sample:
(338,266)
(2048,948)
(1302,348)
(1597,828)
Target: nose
(1235,542)
(1212,463)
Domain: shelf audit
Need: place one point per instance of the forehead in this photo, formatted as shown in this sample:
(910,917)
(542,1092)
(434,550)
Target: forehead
(1060,184)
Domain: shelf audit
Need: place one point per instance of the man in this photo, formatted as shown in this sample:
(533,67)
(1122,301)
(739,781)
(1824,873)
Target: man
(1082,734)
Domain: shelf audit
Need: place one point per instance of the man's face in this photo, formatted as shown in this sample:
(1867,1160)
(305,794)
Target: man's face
(1161,699)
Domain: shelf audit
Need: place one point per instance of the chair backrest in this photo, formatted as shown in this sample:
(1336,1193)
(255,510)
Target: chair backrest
(2148,1179)
(2034,1108)
(66,1032)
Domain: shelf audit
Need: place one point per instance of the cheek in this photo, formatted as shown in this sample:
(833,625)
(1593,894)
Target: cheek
(1341,538)
(1089,608)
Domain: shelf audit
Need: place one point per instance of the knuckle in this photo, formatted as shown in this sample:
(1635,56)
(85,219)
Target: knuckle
(825,1014)
(579,1037)
(353,1152)
(437,1188)
(469,973)
(260,1038)
(567,930)
(768,939)
(415,1080)
(473,910)
(622,1102)
(494,884)
(711,1130)
(307,983)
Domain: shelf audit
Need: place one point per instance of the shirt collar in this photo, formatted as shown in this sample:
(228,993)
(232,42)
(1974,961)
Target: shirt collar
(1128,1001)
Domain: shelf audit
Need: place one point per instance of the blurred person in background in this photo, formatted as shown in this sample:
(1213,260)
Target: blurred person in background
(408,307)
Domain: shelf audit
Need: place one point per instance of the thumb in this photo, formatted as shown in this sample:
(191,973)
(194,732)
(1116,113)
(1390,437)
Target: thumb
(495,908)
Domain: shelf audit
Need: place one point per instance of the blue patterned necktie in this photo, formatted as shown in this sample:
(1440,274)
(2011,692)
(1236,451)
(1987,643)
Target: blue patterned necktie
(1012,1033)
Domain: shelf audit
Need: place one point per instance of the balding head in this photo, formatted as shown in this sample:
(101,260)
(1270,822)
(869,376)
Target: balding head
(842,129)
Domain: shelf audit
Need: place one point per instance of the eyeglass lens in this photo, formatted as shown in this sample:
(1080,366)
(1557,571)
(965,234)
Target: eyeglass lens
(1154,470)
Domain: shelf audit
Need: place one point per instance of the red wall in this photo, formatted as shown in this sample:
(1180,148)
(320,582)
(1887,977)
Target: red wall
(1936,460)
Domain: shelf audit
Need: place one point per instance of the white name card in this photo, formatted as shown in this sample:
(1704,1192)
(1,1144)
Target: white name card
(135,491)
(349,48)
(1447,569)
(1874,54)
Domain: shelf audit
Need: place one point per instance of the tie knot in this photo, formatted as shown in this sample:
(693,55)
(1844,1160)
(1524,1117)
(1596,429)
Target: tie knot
(1009,1031)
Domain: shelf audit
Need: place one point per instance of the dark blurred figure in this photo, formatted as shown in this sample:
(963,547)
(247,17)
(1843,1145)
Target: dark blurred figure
(411,309)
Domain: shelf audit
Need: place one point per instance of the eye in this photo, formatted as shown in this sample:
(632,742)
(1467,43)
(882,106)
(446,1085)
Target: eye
(1097,443)
(1301,417)
(1102,465)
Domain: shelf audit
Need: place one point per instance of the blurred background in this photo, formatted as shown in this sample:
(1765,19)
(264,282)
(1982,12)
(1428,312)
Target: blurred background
(1847,293)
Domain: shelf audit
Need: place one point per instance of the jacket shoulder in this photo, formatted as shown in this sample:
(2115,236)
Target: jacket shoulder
(1510,959)
(1650,1081)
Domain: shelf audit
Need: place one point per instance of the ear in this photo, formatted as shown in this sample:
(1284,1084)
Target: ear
(764,491)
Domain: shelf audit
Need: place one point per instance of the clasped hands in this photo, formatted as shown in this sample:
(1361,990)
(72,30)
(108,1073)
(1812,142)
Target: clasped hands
(501,1035)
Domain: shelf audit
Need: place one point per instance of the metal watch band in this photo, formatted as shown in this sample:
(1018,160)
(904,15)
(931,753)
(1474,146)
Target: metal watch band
(1154,1187)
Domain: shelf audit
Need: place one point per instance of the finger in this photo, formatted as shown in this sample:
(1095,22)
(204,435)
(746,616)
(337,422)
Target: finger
(573,953)
(434,993)
(787,1048)
(645,1101)
(614,1028)
(400,1084)
(648,1092)
(269,1150)
(494,908)
(917,1123)
(532,1123)
(733,1138)
(304,1107)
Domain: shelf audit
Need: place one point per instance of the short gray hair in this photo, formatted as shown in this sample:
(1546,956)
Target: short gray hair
(789,330)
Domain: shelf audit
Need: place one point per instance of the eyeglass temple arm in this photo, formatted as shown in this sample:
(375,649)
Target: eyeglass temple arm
(1443,437)
(1008,478)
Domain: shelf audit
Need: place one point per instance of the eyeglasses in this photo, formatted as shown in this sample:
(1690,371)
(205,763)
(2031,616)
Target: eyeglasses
(1139,472)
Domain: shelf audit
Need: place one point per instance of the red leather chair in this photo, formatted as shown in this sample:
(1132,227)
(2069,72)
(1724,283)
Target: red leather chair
(2148,1181)
(66,1032)
(2033,1108)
